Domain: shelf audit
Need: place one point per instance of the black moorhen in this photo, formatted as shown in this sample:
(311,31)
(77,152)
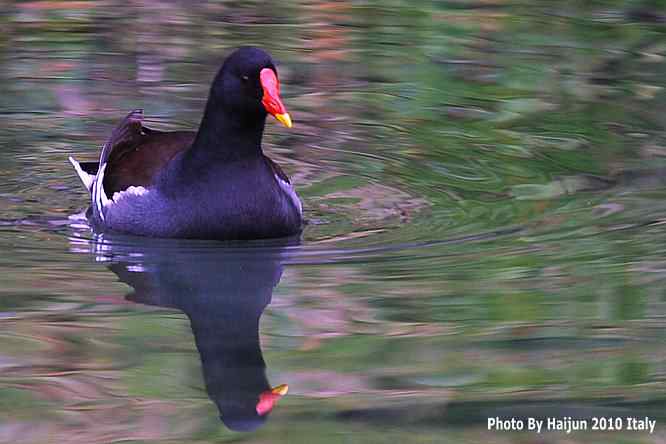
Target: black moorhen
(212,184)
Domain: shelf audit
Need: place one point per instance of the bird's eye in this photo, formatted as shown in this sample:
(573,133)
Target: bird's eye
(245,78)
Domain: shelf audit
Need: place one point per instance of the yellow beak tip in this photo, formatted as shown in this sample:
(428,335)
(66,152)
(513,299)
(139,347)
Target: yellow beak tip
(281,389)
(284,119)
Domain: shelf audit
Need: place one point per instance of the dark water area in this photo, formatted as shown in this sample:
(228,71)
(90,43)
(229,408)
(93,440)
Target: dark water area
(484,184)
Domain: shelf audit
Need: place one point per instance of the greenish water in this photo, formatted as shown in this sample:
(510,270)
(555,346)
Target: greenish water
(484,184)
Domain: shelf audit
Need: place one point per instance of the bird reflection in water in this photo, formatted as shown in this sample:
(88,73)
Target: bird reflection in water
(223,291)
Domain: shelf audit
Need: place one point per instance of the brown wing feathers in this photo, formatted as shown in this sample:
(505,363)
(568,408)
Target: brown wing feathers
(135,154)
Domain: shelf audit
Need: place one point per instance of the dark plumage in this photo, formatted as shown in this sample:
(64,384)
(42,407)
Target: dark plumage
(212,184)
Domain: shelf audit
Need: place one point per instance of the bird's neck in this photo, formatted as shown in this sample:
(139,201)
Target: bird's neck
(224,137)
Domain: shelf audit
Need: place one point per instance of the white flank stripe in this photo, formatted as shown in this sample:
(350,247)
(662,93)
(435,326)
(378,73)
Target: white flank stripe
(289,189)
(99,196)
(131,191)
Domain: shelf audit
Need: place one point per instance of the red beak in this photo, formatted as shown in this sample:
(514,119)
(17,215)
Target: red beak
(272,101)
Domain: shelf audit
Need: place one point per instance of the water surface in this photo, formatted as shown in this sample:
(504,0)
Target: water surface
(484,185)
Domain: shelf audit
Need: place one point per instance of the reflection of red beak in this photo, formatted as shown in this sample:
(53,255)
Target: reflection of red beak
(272,101)
(268,398)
